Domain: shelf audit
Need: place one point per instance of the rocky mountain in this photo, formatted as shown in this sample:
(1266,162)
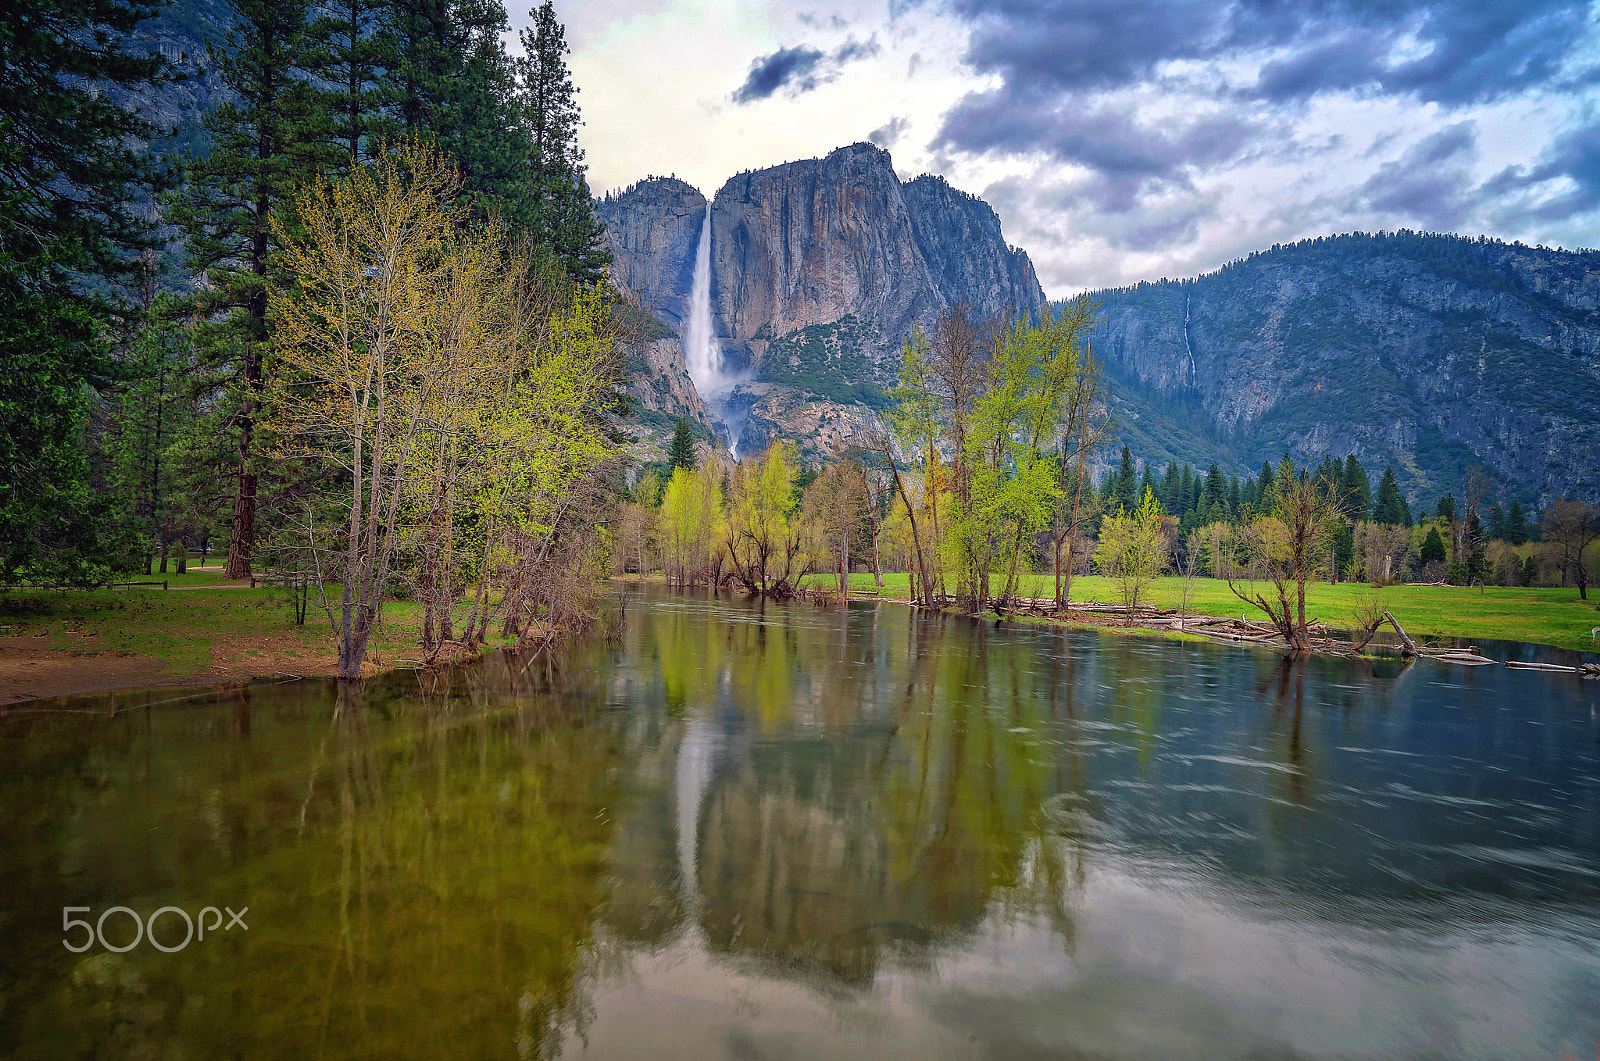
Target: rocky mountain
(1434,353)
(819,271)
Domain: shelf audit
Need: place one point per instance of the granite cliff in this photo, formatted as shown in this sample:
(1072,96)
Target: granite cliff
(1434,353)
(820,269)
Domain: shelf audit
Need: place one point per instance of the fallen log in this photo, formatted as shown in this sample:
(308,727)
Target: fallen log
(1405,638)
(1559,668)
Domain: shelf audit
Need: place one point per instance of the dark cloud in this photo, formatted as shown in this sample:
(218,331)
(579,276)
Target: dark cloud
(852,50)
(1450,51)
(1429,183)
(800,69)
(887,135)
(785,68)
(1565,182)
(1128,156)
(1071,73)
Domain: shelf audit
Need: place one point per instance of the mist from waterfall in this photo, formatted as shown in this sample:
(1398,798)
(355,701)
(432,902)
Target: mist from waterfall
(702,354)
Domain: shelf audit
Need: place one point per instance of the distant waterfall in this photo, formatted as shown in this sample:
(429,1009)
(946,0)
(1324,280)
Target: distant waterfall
(701,351)
(1187,345)
(702,354)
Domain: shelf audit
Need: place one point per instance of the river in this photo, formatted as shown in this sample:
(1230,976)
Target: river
(718,828)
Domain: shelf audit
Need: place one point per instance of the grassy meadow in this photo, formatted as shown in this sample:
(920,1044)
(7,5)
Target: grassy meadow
(1542,616)
(202,624)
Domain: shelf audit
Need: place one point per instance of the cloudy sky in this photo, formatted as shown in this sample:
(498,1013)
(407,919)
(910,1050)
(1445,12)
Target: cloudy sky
(1122,140)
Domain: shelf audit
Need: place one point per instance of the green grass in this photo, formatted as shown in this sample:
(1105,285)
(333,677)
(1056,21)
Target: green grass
(1539,616)
(211,625)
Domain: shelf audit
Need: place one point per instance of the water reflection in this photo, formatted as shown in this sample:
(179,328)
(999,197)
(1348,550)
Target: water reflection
(764,831)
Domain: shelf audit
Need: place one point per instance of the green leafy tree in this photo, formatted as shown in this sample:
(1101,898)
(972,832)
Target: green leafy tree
(70,165)
(560,210)
(1132,550)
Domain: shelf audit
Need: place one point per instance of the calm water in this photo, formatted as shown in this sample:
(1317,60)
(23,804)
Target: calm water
(797,832)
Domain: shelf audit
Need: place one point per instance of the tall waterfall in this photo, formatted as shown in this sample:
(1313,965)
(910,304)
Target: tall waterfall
(701,351)
(702,354)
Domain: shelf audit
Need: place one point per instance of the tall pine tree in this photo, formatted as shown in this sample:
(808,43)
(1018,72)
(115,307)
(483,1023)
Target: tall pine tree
(273,137)
(69,167)
(352,44)
(1388,505)
(561,211)
(681,453)
(454,86)
(1355,491)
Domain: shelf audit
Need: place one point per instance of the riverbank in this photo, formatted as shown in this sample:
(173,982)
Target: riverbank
(202,630)
(205,630)
(1553,617)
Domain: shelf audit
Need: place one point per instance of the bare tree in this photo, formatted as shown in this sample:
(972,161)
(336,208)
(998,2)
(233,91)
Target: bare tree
(1286,547)
(1571,527)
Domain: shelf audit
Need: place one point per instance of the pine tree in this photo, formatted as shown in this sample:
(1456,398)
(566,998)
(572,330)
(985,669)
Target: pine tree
(1477,560)
(453,84)
(1432,547)
(272,137)
(1496,528)
(352,44)
(1388,506)
(562,212)
(1168,494)
(1214,498)
(1516,532)
(1446,509)
(681,453)
(1122,492)
(1264,488)
(1355,491)
(69,166)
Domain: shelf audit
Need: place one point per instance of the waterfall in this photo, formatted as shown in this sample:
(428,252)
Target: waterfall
(1187,345)
(702,354)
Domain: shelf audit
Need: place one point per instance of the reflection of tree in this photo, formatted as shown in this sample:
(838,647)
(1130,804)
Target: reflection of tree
(903,828)
(422,873)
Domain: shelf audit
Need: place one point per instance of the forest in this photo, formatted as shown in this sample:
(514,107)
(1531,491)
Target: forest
(355,339)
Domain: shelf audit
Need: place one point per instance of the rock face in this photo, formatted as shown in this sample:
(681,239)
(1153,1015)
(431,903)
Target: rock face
(652,229)
(811,243)
(1434,353)
(820,270)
